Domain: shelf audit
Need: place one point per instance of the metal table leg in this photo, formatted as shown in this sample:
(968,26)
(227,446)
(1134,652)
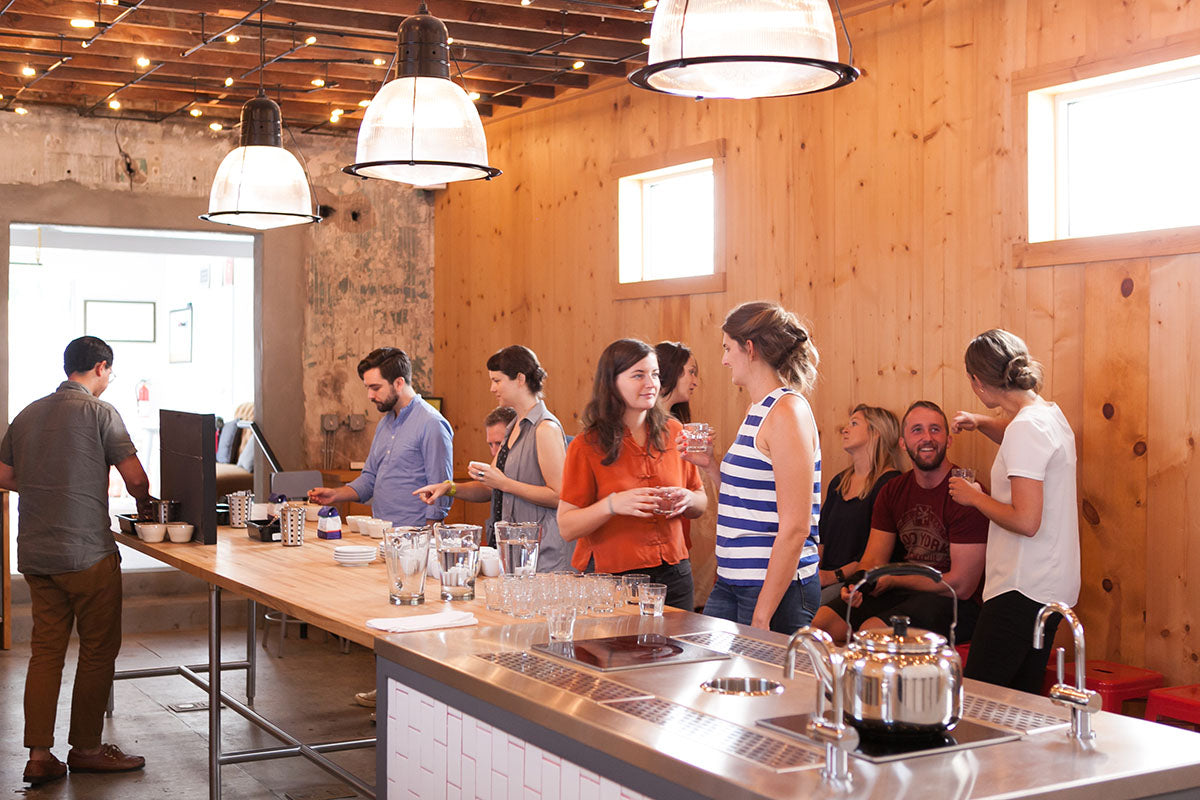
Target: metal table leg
(251,655)
(214,692)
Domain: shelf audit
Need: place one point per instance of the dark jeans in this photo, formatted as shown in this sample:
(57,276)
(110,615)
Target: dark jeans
(1002,651)
(736,604)
(677,577)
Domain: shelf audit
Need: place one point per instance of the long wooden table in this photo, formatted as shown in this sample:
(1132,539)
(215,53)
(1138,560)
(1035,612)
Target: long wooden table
(303,582)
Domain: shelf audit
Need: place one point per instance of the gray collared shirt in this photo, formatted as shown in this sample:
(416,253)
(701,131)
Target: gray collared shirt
(60,448)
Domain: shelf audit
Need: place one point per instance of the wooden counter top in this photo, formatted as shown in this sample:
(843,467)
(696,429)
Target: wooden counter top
(306,583)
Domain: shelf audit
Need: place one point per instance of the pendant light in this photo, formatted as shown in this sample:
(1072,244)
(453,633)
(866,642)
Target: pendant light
(744,48)
(422,128)
(260,185)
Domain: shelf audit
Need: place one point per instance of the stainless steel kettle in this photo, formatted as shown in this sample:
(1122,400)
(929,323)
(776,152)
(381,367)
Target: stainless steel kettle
(895,682)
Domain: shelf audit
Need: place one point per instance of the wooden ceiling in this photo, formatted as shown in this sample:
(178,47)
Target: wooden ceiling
(203,55)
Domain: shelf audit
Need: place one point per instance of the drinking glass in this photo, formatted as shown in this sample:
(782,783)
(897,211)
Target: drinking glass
(603,593)
(668,496)
(695,436)
(966,473)
(406,551)
(560,619)
(458,556)
(629,585)
(524,597)
(507,591)
(518,544)
(651,597)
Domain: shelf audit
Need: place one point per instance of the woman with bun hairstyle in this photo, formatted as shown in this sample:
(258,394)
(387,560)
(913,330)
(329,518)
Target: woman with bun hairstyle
(1033,539)
(524,478)
(679,375)
(767,539)
(614,471)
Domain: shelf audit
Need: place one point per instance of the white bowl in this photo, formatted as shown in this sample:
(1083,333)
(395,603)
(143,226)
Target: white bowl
(151,531)
(355,522)
(376,527)
(180,532)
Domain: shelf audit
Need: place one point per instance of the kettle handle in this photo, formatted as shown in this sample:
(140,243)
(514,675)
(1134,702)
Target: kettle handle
(902,568)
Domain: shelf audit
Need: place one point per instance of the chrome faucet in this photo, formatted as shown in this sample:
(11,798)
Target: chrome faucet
(839,738)
(1082,701)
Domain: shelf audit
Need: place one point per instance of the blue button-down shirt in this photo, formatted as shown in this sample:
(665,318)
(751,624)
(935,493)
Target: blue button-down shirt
(413,446)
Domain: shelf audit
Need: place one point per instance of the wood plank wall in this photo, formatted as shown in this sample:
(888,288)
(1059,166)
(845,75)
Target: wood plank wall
(887,214)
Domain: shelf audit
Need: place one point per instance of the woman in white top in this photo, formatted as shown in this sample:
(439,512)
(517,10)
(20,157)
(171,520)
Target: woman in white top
(1033,540)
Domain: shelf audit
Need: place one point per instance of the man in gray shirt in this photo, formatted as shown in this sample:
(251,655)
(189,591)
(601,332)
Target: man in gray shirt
(56,454)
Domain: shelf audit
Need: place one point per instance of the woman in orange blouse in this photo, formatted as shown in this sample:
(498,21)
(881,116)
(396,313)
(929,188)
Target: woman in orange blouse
(608,499)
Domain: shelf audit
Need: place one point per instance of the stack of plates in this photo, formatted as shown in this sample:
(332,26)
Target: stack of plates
(353,555)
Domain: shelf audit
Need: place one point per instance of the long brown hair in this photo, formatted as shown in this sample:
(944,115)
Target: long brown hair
(883,430)
(673,358)
(604,416)
(1001,360)
(780,339)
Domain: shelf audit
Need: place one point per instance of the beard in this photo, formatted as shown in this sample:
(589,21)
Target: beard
(388,403)
(927,462)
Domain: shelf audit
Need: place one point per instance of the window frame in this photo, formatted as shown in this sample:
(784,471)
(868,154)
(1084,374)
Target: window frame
(665,287)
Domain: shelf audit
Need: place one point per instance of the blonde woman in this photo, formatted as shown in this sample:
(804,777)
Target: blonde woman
(872,439)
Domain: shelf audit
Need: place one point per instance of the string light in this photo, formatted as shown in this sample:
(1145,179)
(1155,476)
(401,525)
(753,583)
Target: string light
(83,23)
(650,4)
(233,38)
(311,40)
(364,103)
(143,61)
(379,62)
(229,81)
(114,104)
(578,65)
(28,71)
(22,110)
(195,112)
(318,82)
(216,126)
(473,95)
(646,41)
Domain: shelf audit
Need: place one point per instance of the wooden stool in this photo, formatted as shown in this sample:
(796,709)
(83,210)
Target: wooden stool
(1175,702)
(1114,682)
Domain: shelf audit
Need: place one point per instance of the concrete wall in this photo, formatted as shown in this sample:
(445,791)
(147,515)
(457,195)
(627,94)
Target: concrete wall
(325,294)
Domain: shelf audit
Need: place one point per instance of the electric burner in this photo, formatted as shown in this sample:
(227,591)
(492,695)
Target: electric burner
(629,652)
(879,749)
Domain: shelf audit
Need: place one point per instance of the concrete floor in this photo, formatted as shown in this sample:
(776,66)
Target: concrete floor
(309,693)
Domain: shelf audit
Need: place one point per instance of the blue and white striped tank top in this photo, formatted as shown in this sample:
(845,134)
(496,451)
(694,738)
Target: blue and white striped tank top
(747,514)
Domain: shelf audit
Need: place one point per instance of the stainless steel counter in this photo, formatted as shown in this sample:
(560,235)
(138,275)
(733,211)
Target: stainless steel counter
(659,721)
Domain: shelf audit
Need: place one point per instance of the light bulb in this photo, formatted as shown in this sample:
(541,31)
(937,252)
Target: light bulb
(21,110)
(114,104)
(379,62)
(364,103)
(83,23)
(578,65)
(28,71)
(143,61)
(216,126)
(318,82)
(650,4)
(311,40)
(473,95)
(195,112)
(229,81)
(233,38)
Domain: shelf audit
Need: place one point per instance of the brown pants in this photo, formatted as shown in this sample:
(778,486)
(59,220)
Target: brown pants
(89,600)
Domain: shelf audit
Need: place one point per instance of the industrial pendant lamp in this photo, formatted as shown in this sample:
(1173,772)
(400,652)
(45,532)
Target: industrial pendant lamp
(421,128)
(260,185)
(744,48)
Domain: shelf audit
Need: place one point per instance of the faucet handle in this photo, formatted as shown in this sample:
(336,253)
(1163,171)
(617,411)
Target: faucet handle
(1059,656)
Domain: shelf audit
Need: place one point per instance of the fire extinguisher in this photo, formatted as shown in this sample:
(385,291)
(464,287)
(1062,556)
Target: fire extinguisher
(142,391)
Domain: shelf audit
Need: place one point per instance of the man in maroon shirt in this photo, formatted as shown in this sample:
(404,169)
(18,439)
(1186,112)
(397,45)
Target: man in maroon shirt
(916,521)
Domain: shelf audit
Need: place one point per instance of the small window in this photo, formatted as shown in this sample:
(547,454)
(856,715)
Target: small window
(667,223)
(1115,154)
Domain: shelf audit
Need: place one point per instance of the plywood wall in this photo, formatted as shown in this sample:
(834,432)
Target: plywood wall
(887,214)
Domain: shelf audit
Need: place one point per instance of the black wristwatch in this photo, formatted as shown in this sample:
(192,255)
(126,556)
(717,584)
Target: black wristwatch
(841,576)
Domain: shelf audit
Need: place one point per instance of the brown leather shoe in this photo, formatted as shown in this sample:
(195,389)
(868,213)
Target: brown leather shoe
(44,770)
(109,759)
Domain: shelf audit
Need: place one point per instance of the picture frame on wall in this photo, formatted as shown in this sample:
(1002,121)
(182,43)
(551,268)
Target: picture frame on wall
(179,335)
(436,402)
(120,320)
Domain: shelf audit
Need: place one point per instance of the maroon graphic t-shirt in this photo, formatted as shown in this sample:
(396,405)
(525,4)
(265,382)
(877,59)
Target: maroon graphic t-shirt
(927,521)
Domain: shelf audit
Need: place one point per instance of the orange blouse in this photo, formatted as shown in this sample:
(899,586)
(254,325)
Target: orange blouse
(627,543)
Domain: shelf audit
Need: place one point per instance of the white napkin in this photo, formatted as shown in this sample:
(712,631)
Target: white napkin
(424,622)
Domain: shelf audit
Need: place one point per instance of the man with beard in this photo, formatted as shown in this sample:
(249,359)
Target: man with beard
(413,447)
(916,521)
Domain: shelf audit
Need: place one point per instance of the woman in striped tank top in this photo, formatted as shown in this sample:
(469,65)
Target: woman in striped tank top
(767,539)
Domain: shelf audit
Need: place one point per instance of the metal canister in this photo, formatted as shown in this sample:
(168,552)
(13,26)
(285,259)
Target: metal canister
(164,511)
(291,525)
(240,504)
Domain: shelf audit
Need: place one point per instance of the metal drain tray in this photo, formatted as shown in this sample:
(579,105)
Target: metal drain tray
(754,649)
(1013,718)
(721,735)
(561,676)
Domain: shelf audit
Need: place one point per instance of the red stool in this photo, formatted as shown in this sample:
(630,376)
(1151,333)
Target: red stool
(1114,682)
(1175,702)
(963,650)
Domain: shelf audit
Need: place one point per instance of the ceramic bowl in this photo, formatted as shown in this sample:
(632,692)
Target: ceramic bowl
(180,532)
(151,531)
(355,522)
(375,528)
